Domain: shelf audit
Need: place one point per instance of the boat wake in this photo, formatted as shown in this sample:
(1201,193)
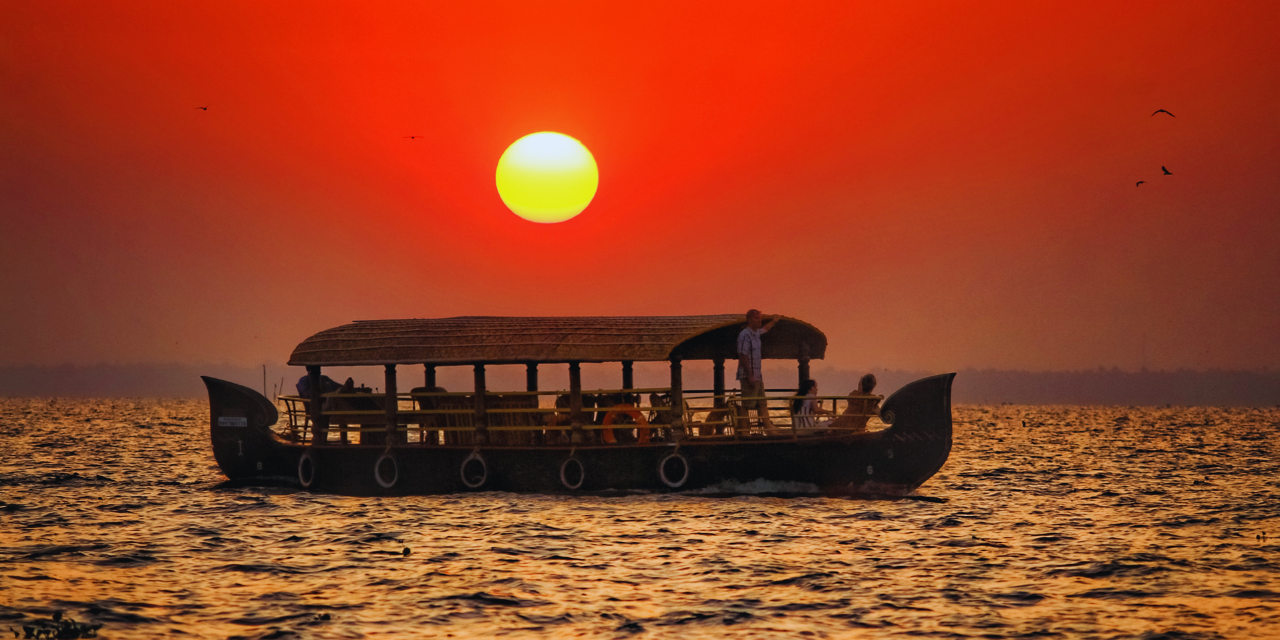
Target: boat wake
(756,487)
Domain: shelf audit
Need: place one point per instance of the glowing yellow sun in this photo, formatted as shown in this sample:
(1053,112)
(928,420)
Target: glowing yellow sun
(547,177)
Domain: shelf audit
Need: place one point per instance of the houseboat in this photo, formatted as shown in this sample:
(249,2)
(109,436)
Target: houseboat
(670,438)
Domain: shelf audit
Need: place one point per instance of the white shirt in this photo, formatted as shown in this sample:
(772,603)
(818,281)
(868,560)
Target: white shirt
(804,417)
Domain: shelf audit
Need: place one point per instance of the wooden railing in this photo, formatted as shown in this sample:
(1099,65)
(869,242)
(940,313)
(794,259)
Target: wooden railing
(454,412)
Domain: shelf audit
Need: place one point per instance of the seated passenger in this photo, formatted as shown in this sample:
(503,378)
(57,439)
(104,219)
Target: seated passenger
(558,436)
(661,416)
(861,408)
(430,422)
(717,423)
(806,406)
(327,385)
(349,397)
(333,404)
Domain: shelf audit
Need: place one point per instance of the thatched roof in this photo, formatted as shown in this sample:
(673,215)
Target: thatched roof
(499,340)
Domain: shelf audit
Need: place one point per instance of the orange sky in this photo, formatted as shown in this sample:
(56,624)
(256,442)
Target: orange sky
(936,186)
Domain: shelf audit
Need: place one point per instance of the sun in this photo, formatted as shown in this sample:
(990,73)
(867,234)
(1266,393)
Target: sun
(547,177)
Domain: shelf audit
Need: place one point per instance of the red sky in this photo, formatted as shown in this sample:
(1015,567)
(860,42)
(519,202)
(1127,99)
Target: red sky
(936,186)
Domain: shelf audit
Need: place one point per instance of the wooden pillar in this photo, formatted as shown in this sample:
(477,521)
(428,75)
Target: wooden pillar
(426,437)
(482,416)
(315,406)
(575,401)
(531,384)
(392,402)
(628,381)
(677,400)
(804,363)
(717,381)
(531,376)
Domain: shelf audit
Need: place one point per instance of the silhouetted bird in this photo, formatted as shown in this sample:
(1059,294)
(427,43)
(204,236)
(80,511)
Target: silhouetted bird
(414,137)
(204,108)
(1139,183)
(1166,171)
(1163,111)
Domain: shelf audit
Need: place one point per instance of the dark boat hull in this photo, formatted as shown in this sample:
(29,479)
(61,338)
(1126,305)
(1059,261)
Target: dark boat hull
(891,462)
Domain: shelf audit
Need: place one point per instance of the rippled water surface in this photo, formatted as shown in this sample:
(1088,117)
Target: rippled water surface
(1085,522)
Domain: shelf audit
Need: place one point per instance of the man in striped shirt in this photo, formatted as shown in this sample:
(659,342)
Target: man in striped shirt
(750,377)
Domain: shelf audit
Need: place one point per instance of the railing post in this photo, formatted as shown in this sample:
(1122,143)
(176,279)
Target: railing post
(392,402)
(717,382)
(575,402)
(429,376)
(315,407)
(628,379)
(677,400)
(482,416)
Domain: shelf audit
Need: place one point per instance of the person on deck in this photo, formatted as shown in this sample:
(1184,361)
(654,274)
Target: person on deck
(334,404)
(805,407)
(750,376)
(327,385)
(862,405)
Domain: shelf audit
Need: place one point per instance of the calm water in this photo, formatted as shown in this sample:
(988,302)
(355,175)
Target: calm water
(1087,522)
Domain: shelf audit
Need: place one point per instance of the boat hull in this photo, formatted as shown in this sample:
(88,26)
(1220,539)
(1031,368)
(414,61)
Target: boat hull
(891,462)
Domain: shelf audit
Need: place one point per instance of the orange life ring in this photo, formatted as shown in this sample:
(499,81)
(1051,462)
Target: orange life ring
(642,423)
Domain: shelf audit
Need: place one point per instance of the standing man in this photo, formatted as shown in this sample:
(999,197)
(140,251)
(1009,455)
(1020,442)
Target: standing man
(750,377)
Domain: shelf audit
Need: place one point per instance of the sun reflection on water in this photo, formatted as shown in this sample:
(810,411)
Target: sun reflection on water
(1110,522)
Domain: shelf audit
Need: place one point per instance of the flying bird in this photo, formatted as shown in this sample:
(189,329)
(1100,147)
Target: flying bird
(1139,183)
(1166,171)
(414,137)
(204,108)
(1163,111)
